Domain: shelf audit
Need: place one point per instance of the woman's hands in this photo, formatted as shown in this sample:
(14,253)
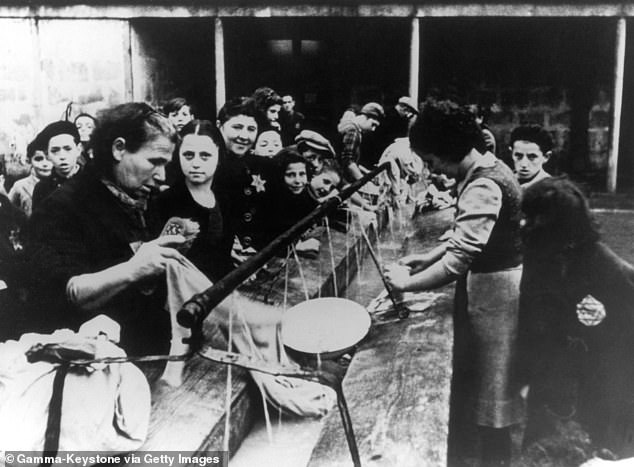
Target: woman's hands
(398,276)
(417,262)
(151,258)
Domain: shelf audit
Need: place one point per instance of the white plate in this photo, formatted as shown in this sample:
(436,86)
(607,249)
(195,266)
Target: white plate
(327,324)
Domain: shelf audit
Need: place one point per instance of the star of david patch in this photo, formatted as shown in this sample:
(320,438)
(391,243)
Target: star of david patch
(258,183)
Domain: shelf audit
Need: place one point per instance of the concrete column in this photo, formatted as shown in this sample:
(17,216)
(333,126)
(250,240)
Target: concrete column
(619,71)
(219,45)
(414,60)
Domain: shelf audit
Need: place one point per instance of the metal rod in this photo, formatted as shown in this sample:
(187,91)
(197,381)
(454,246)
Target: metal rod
(195,310)
(347,426)
(402,311)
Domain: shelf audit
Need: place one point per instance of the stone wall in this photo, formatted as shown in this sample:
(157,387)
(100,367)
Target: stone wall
(550,106)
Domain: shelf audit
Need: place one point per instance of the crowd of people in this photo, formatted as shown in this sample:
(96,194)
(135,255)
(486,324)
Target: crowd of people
(86,232)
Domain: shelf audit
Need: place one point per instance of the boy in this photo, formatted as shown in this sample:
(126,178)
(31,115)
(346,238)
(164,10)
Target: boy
(21,194)
(60,140)
(368,120)
(531,147)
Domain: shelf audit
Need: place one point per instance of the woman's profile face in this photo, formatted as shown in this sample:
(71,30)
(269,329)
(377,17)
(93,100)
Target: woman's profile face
(239,133)
(198,158)
(273,113)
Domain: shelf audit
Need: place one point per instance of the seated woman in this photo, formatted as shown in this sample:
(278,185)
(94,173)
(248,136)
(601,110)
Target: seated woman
(192,197)
(568,348)
(93,246)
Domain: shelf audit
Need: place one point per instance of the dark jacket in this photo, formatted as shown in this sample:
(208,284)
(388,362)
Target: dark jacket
(554,343)
(244,187)
(211,250)
(82,228)
(48,185)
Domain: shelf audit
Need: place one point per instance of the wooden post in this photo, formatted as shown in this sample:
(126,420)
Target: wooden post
(219,47)
(39,90)
(127,61)
(414,60)
(613,156)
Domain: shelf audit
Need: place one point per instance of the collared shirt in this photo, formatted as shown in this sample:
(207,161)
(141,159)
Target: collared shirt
(477,210)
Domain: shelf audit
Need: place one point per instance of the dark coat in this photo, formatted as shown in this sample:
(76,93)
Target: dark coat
(211,250)
(244,187)
(82,228)
(558,349)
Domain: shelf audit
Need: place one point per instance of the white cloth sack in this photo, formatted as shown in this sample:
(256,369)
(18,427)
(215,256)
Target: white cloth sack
(256,333)
(105,408)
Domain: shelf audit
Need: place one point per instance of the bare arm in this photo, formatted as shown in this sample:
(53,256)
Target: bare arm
(91,291)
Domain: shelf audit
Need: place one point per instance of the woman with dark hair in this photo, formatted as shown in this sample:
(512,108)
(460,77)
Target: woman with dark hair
(268,104)
(569,348)
(244,182)
(483,256)
(93,246)
(192,197)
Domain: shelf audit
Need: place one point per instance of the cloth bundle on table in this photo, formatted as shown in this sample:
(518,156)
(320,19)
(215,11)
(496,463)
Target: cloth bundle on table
(255,332)
(105,408)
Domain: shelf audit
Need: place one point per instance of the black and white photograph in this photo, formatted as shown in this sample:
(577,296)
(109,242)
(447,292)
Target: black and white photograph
(317,233)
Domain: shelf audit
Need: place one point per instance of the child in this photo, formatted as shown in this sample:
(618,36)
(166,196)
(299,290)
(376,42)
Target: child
(179,112)
(268,143)
(324,185)
(531,147)
(577,363)
(61,142)
(192,197)
(315,148)
(21,194)
(293,198)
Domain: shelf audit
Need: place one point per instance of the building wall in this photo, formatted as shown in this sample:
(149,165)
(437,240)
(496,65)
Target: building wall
(557,72)
(46,65)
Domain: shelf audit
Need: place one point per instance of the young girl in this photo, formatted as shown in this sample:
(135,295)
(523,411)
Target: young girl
(192,197)
(569,349)
(293,200)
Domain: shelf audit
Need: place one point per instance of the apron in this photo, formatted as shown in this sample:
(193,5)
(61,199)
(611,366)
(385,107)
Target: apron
(485,320)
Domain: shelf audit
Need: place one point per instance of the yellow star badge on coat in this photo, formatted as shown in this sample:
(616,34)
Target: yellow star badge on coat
(258,183)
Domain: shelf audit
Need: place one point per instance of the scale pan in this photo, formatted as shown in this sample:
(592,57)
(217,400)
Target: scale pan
(328,326)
